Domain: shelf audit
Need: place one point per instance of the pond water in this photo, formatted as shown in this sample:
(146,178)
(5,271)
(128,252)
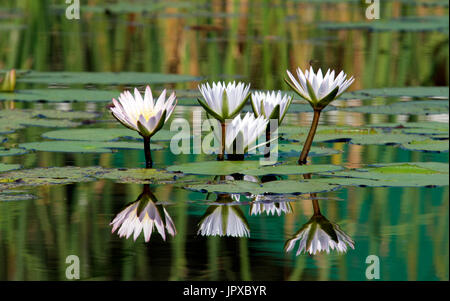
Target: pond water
(49,214)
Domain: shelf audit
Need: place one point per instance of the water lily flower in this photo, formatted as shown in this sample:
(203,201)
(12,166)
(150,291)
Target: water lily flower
(317,89)
(319,235)
(224,219)
(224,101)
(144,115)
(143,215)
(271,105)
(8,83)
(242,133)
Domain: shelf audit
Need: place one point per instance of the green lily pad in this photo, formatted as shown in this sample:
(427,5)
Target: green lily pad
(6,167)
(101,134)
(432,129)
(275,187)
(428,145)
(252,168)
(84,146)
(294,149)
(392,175)
(103,78)
(12,152)
(138,175)
(413,92)
(60,95)
(425,107)
(362,136)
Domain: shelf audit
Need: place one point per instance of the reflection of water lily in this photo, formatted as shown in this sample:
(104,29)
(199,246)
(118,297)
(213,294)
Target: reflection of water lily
(269,207)
(317,89)
(242,133)
(224,101)
(318,235)
(143,215)
(224,220)
(144,115)
(271,105)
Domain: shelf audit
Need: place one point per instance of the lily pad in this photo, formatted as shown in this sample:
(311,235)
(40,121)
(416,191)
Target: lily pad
(60,95)
(104,78)
(294,149)
(84,146)
(425,107)
(12,195)
(12,152)
(102,134)
(275,187)
(428,145)
(138,175)
(6,167)
(252,168)
(413,92)
(392,175)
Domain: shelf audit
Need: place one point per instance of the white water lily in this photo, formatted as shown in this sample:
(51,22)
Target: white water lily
(319,235)
(143,215)
(144,115)
(318,89)
(271,105)
(244,131)
(224,220)
(224,101)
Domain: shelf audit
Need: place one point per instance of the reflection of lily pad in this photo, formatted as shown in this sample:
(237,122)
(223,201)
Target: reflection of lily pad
(105,78)
(252,168)
(276,187)
(101,134)
(395,175)
(424,107)
(12,195)
(59,95)
(83,146)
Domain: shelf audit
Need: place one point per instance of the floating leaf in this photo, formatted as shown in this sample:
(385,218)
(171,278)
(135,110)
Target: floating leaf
(83,146)
(294,149)
(425,107)
(413,92)
(6,167)
(101,134)
(428,145)
(138,175)
(392,175)
(60,95)
(104,78)
(12,152)
(12,195)
(253,168)
(275,187)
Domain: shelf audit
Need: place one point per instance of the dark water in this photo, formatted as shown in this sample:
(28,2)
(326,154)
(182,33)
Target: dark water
(407,228)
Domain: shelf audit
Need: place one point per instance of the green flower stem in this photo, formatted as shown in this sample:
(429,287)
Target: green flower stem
(310,138)
(221,155)
(315,201)
(148,153)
